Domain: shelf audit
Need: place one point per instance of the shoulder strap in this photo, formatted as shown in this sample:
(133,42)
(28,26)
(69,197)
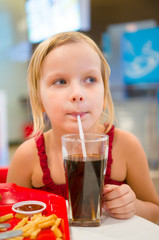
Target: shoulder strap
(110,159)
(40,143)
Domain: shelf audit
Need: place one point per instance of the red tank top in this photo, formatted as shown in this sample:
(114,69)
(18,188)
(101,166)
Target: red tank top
(50,186)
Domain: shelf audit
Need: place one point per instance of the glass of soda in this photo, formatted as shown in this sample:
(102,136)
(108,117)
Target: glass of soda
(85,176)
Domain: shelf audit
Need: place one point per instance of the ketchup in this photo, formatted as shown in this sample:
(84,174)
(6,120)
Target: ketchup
(29,207)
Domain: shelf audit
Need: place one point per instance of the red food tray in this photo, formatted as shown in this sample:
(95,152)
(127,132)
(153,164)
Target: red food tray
(11,194)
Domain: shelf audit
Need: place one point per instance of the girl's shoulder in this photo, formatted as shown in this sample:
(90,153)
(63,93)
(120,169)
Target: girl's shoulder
(22,164)
(124,137)
(27,150)
(128,144)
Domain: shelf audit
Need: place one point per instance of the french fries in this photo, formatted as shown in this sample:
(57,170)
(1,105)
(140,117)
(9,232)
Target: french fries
(35,233)
(19,215)
(57,232)
(6,217)
(31,228)
(55,228)
(21,223)
(15,238)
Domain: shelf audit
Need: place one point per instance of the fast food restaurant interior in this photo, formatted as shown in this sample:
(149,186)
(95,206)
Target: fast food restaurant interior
(128,34)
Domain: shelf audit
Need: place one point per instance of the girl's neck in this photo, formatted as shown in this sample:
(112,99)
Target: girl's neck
(55,138)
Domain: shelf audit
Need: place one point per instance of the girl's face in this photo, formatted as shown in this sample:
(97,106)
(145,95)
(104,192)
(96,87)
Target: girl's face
(71,84)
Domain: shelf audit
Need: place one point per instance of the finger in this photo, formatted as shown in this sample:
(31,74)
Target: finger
(108,188)
(119,201)
(130,207)
(117,192)
(123,215)
(124,212)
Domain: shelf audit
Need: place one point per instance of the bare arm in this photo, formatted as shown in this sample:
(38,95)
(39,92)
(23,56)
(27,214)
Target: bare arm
(21,166)
(139,196)
(138,178)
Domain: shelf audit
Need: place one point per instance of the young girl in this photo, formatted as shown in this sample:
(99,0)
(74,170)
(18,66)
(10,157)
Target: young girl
(68,76)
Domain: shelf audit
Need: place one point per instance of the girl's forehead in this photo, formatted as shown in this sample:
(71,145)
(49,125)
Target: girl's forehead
(73,50)
(75,46)
(72,57)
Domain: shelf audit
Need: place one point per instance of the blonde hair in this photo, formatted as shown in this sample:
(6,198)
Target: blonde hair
(34,75)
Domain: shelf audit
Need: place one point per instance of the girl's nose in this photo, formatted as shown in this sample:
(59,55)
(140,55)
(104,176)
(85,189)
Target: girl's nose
(76,95)
(77,98)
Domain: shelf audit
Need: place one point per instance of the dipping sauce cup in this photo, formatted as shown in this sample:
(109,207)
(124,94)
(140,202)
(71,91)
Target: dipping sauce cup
(29,208)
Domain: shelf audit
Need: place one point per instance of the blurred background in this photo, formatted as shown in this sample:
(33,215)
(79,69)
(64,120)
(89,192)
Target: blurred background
(126,31)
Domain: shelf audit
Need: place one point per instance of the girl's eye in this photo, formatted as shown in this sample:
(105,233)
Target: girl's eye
(90,80)
(60,82)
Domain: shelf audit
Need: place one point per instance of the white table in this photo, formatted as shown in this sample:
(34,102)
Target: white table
(135,228)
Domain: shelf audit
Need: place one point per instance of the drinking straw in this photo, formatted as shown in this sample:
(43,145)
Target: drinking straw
(81,134)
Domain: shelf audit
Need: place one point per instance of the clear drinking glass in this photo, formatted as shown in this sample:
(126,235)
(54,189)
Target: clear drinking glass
(85,176)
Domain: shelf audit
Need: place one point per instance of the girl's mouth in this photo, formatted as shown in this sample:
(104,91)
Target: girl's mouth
(75,114)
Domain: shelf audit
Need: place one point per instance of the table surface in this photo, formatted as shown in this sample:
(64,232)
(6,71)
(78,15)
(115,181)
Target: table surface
(135,228)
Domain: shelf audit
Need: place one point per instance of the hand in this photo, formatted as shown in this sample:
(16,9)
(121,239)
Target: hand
(119,201)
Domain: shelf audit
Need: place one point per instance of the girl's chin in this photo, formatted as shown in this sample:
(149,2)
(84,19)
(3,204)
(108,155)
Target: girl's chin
(73,129)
